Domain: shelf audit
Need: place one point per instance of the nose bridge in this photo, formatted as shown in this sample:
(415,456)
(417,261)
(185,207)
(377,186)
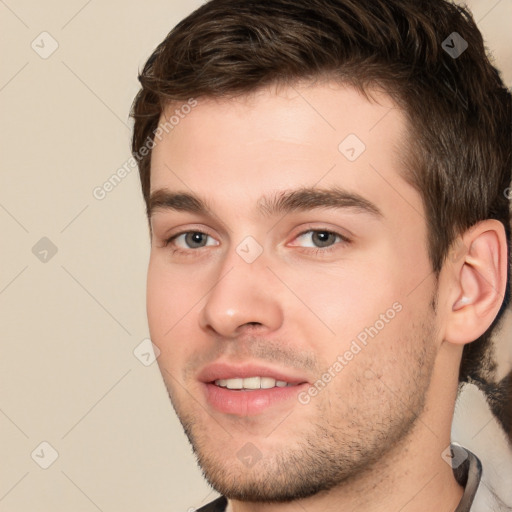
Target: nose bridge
(243,292)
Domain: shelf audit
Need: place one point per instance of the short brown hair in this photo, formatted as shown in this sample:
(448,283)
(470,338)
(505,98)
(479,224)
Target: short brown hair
(458,110)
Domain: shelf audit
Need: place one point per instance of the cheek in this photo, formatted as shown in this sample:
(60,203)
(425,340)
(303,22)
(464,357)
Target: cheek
(171,302)
(362,315)
(159,302)
(348,299)
(376,365)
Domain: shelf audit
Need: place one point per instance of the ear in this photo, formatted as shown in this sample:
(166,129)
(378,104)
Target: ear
(478,276)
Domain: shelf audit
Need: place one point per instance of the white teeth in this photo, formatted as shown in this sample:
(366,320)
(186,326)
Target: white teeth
(234,383)
(267,382)
(252,383)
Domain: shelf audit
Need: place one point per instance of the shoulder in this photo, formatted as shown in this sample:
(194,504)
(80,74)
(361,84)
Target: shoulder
(476,429)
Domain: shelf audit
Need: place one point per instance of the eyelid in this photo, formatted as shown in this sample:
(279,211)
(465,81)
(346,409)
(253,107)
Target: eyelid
(168,239)
(342,233)
(187,228)
(343,242)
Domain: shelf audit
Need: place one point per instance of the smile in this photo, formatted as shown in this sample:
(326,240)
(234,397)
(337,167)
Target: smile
(252,383)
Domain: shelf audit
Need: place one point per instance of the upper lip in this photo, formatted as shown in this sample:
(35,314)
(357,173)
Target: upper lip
(217,371)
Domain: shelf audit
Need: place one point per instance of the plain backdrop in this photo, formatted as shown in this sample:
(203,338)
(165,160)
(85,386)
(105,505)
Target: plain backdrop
(73,267)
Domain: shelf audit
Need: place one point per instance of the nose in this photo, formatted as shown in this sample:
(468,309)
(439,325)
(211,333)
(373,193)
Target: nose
(243,296)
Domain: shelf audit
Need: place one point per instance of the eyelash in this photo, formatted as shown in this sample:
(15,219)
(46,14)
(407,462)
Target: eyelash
(315,251)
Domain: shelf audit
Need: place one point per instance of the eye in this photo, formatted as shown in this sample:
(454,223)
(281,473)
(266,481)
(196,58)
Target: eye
(323,240)
(191,239)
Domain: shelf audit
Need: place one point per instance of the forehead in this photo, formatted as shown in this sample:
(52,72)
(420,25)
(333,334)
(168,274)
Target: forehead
(238,149)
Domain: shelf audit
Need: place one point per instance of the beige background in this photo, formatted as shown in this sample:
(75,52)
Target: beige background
(69,376)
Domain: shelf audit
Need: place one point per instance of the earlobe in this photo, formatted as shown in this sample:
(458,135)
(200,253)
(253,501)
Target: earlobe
(480,277)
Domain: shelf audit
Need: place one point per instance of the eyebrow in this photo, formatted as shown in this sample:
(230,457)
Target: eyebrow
(283,202)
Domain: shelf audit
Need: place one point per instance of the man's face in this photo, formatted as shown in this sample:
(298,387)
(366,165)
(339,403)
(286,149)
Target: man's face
(334,300)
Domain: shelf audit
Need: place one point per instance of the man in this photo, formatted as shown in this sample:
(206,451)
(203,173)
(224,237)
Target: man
(342,166)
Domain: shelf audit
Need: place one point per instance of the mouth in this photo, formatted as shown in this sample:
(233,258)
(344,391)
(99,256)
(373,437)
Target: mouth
(252,383)
(250,389)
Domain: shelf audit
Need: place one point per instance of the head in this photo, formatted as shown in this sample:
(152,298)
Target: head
(245,100)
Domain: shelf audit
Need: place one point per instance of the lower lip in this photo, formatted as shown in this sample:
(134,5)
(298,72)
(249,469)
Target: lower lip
(252,402)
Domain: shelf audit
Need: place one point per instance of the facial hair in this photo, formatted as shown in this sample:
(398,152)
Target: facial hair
(355,424)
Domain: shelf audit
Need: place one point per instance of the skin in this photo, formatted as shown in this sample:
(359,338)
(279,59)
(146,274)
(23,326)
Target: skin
(373,437)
